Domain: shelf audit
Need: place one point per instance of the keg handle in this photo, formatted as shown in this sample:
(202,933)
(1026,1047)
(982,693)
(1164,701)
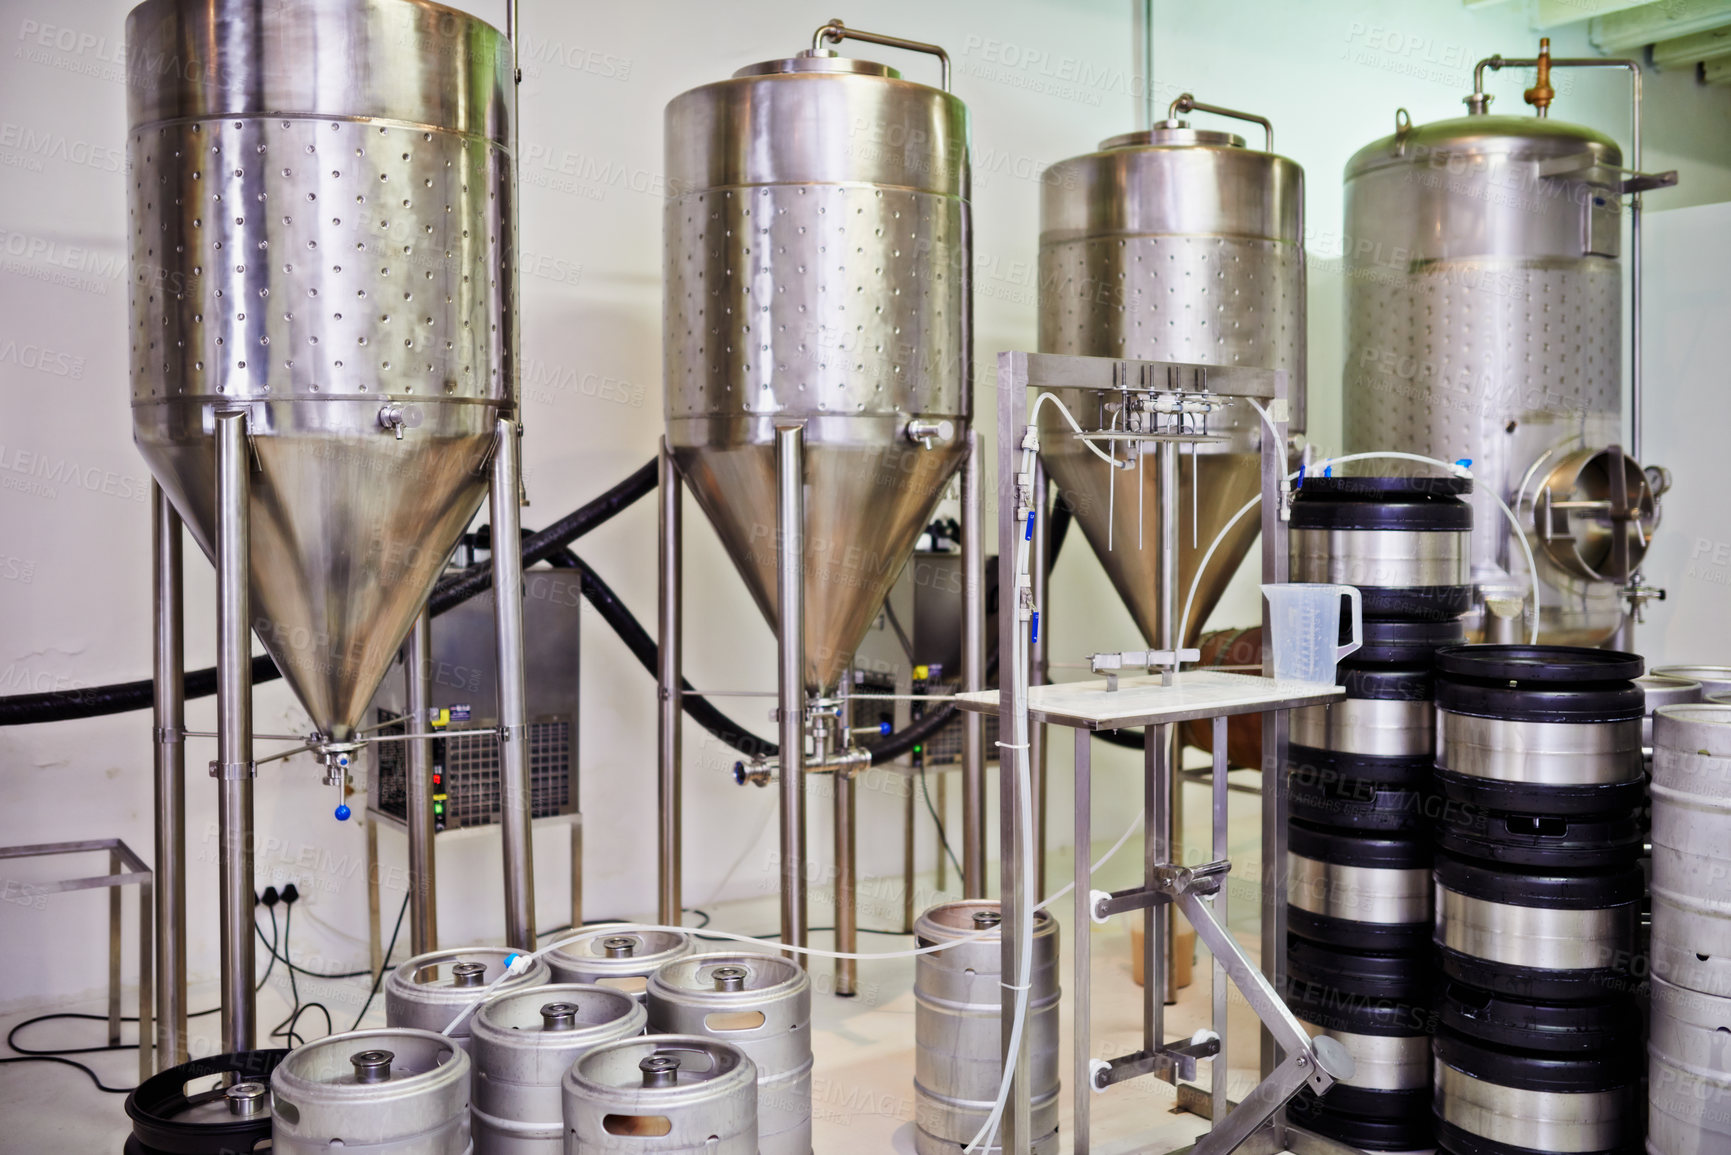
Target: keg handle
(1188,103)
(835,32)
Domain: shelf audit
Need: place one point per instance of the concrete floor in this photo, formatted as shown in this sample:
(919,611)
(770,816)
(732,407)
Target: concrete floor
(863,1081)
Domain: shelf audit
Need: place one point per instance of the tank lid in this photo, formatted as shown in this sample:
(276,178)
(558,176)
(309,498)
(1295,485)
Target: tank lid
(822,61)
(1517,137)
(1172,134)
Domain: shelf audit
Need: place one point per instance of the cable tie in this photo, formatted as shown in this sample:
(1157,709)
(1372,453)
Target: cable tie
(1015,987)
(1011,745)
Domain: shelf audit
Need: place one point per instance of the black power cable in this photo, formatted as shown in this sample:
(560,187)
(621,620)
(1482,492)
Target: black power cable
(384,964)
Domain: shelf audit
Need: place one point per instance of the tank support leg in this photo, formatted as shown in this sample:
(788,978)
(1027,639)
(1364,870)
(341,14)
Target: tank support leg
(790,669)
(234,769)
(516,832)
(170,721)
(669,902)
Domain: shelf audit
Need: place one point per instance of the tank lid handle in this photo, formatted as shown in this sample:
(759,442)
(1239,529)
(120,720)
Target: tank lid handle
(835,32)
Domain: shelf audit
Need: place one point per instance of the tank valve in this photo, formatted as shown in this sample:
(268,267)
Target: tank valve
(1541,93)
(337,759)
(927,431)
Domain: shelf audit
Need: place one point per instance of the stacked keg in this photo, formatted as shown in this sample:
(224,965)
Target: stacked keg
(618,956)
(1538,893)
(430,991)
(1359,959)
(1689,1047)
(760,1004)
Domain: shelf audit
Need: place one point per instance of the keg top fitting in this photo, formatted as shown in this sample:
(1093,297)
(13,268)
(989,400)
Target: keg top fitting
(731,978)
(660,1071)
(559,1017)
(246,1099)
(468,974)
(619,945)
(372,1066)
(986,919)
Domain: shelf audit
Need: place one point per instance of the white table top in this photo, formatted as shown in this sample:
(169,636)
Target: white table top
(1143,701)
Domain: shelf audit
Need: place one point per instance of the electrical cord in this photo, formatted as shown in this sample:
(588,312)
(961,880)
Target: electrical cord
(943,839)
(100,1085)
(384,965)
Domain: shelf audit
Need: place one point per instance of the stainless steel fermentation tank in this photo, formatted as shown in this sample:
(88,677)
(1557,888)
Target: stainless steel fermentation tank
(816,354)
(322,226)
(1171,244)
(1485,322)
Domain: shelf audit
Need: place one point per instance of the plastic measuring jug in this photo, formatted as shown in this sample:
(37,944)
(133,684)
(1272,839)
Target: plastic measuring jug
(1304,620)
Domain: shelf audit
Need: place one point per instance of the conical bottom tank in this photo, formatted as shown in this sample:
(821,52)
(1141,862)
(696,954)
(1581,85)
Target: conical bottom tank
(1173,244)
(327,251)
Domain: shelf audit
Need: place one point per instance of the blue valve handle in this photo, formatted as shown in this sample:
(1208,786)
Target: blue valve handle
(343,812)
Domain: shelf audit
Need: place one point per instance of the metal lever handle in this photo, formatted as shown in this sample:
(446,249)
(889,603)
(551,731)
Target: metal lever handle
(835,32)
(1189,103)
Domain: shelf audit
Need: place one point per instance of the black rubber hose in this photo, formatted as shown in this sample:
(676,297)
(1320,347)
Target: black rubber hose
(544,544)
(700,709)
(95,701)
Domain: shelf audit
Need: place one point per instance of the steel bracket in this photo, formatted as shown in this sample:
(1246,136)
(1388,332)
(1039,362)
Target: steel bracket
(232,771)
(1170,881)
(1170,1063)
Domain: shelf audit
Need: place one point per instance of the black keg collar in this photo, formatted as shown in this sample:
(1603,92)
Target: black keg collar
(158,1106)
(1386,488)
(1547,664)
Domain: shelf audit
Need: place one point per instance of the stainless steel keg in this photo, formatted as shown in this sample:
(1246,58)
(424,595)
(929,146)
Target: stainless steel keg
(1665,690)
(1538,934)
(1540,729)
(762,1005)
(1692,847)
(1713,679)
(670,1094)
(522,1044)
(1356,892)
(430,990)
(403,1091)
(1488,1099)
(1405,542)
(1688,1072)
(612,956)
(958,1027)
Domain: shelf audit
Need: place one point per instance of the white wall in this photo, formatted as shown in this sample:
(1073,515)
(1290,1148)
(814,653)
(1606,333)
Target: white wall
(1044,79)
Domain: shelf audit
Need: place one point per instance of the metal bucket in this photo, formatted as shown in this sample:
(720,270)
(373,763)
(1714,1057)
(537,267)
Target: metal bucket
(670,1094)
(401,1091)
(1692,847)
(612,957)
(958,1032)
(1688,1073)
(522,1044)
(430,990)
(762,1005)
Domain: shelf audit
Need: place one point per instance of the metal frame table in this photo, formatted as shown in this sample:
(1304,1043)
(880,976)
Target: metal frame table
(124,869)
(1289,1058)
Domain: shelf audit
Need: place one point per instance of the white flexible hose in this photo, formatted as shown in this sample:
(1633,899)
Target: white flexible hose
(1033,416)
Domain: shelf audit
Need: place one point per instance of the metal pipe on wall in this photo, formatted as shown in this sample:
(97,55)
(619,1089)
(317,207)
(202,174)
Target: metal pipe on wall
(973,672)
(671,587)
(515,829)
(418,800)
(168,647)
(233,768)
(790,672)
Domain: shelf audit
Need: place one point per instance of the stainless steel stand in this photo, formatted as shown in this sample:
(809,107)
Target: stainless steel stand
(418,792)
(124,869)
(169,708)
(669,902)
(1157,703)
(973,671)
(517,834)
(234,769)
(790,671)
